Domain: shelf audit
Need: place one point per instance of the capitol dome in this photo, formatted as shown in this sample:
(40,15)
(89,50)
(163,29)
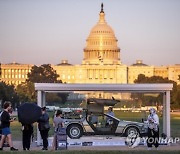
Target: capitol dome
(101,44)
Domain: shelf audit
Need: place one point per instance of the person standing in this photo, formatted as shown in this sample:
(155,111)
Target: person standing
(5,124)
(111,113)
(58,122)
(27,131)
(153,129)
(43,125)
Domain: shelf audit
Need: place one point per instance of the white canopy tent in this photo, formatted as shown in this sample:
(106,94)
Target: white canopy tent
(165,88)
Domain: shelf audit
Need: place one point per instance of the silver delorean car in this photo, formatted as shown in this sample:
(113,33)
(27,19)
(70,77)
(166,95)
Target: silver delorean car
(94,121)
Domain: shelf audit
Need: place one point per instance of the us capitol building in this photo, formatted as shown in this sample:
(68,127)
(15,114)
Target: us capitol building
(101,63)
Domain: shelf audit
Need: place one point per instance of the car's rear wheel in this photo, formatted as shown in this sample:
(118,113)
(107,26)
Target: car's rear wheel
(74,131)
(132,130)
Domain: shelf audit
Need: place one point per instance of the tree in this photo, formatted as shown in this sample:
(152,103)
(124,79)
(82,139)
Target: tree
(141,79)
(63,97)
(8,93)
(53,97)
(157,79)
(26,92)
(177,98)
(42,74)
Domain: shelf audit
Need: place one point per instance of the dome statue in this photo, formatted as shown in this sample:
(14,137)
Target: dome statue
(101,44)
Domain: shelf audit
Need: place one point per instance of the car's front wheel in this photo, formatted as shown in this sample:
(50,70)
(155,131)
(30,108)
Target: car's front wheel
(132,131)
(74,131)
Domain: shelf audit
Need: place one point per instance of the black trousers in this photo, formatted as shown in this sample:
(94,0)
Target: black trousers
(44,136)
(26,138)
(153,138)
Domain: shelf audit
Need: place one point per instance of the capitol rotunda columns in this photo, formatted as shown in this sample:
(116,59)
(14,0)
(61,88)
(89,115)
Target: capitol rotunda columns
(101,44)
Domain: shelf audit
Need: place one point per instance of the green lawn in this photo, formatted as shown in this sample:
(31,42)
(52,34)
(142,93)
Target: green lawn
(132,116)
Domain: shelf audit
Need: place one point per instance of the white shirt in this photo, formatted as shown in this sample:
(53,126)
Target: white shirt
(153,121)
(110,113)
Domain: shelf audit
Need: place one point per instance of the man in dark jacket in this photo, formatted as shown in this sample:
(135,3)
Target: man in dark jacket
(43,125)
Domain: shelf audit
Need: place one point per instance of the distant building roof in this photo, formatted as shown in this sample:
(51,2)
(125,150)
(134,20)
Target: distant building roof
(14,63)
(139,63)
(64,63)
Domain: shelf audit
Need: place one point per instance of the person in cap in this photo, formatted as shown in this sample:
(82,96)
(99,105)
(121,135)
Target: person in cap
(43,125)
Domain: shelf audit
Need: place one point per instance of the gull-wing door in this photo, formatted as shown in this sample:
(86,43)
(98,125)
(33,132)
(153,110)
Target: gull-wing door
(96,105)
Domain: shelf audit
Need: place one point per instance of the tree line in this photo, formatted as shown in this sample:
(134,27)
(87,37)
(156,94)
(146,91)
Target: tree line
(25,92)
(175,93)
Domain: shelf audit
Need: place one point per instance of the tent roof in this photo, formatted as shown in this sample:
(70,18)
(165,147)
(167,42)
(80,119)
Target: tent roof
(52,87)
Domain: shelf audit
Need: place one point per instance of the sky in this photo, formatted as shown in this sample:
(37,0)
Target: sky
(48,31)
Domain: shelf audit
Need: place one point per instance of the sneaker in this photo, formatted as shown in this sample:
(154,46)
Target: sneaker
(13,149)
(44,149)
(6,145)
(1,149)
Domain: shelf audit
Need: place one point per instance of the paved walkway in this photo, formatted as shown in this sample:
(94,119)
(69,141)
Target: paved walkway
(34,147)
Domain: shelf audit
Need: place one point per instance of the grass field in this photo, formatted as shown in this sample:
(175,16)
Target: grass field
(132,116)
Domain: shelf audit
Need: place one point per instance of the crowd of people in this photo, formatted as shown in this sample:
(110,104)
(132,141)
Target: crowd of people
(44,127)
(27,129)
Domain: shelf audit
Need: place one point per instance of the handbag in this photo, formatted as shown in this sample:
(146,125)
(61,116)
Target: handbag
(47,126)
